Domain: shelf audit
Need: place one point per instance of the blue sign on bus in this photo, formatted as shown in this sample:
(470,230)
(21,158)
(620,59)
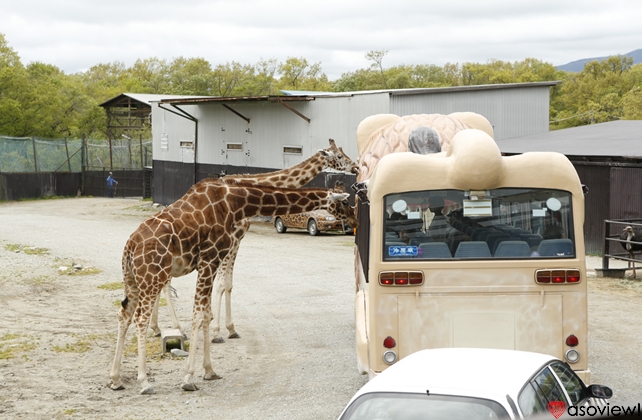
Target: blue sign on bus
(403,251)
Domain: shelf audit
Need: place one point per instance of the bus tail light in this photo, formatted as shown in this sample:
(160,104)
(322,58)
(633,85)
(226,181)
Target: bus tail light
(401,278)
(389,342)
(389,356)
(563,276)
(572,341)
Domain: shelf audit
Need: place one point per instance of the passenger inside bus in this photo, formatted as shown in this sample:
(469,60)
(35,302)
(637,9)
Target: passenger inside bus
(516,223)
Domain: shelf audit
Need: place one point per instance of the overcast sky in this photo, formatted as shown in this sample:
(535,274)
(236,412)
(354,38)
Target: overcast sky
(77,34)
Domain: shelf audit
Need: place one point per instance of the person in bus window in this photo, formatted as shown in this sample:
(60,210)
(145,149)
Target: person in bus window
(439,226)
(554,232)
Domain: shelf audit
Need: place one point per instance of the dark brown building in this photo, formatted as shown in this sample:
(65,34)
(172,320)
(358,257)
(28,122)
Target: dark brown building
(608,160)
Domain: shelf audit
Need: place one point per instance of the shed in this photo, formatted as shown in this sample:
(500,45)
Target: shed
(608,160)
(194,138)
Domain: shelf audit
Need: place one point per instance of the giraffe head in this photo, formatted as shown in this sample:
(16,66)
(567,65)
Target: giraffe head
(336,159)
(340,207)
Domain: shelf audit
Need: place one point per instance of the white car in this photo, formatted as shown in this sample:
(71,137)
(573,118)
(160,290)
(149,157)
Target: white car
(463,383)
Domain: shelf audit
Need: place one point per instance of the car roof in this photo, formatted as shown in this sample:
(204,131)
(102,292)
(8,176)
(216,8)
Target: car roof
(460,371)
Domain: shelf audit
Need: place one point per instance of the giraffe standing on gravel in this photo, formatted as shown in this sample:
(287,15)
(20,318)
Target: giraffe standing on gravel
(195,233)
(296,176)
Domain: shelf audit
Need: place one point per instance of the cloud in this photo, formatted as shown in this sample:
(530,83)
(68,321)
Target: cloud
(75,35)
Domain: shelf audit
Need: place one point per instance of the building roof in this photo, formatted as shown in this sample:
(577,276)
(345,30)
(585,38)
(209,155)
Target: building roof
(305,95)
(621,138)
(144,98)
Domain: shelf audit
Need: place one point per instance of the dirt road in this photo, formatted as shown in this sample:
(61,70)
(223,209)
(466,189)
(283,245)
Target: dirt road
(292,305)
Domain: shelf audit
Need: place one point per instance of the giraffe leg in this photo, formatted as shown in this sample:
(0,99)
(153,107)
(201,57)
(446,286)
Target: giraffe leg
(207,360)
(197,323)
(218,296)
(124,320)
(172,312)
(226,273)
(154,320)
(141,327)
(223,284)
(228,310)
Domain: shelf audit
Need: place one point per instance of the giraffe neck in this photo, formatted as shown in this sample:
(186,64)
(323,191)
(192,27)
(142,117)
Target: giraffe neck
(293,177)
(248,201)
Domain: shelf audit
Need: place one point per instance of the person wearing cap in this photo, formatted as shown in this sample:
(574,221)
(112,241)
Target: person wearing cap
(111,185)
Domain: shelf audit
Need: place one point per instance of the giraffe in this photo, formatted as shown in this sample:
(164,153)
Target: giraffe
(296,176)
(194,233)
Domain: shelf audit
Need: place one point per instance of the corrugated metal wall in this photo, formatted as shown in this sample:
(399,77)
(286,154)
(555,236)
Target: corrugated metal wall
(512,112)
(596,204)
(338,119)
(614,193)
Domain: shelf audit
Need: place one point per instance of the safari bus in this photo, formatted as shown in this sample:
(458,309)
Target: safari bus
(468,248)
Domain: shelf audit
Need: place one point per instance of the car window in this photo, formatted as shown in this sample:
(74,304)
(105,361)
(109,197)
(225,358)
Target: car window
(406,406)
(573,384)
(530,402)
(541,390)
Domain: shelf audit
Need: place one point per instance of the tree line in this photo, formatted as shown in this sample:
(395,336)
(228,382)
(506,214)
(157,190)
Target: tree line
(39,99)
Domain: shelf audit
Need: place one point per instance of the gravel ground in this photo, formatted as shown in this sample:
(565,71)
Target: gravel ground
(293,307)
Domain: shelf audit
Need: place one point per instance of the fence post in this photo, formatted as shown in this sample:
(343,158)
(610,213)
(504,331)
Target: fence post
(605,247)
(140,142)
(67,150)
(83,164)
(111,157)
(35,154)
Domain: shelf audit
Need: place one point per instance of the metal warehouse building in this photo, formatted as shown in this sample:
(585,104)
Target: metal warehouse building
(608,160)
(195,138)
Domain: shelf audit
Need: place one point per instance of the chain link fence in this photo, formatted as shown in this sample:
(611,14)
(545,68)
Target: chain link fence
(33,154)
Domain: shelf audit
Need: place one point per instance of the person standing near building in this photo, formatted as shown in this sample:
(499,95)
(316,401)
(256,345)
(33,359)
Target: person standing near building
(111,185)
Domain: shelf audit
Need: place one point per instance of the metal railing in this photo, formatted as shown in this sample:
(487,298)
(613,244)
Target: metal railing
(613,238)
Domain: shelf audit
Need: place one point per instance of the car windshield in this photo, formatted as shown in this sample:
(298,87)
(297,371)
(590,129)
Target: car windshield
(405,406)
(505,223)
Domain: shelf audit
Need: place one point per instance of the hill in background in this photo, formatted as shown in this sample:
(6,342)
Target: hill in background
(578,65)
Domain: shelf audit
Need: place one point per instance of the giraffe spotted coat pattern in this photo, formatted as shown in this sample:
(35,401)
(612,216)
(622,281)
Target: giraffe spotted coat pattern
(195,233)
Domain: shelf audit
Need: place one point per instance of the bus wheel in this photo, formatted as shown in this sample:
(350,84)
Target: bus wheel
(280,227)
(312,228)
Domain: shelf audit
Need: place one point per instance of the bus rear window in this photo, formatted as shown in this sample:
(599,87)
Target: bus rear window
(506,223)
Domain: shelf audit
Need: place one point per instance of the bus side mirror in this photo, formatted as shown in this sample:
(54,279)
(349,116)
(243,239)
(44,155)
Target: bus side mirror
(600,391)
(361,190)
(584,189)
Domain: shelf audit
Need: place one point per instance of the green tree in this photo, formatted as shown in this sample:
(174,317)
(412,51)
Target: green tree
(604,91)
(377,56)
(191,76)
(297,74)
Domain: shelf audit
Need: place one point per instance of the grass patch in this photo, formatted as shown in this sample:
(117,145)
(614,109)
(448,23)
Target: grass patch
(82,345)
(37,281)
(82,271)
(51,197)
(153,348)
(13,345)
(117,285)
(30,250)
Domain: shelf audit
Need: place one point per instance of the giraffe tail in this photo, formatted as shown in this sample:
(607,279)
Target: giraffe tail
(124,302)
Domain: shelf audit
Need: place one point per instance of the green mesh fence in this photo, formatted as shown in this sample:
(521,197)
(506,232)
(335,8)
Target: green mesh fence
(125,154)
(32,154)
